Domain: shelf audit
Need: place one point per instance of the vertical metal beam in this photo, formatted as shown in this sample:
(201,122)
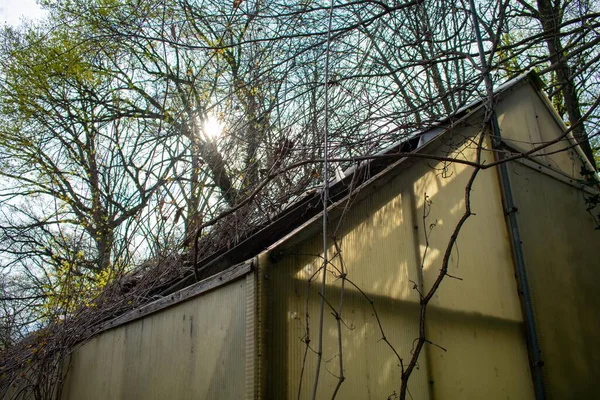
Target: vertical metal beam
(510,212)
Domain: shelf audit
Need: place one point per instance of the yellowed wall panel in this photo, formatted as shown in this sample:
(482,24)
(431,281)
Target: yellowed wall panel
(526,122)
(193,350)
(371,369)
(482,258)
(382,242)
(561,254)
(483,358)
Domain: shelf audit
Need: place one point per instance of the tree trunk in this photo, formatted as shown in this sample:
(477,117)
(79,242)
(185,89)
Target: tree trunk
(550,15)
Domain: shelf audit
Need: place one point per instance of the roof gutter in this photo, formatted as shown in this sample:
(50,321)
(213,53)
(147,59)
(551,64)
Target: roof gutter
(510,213)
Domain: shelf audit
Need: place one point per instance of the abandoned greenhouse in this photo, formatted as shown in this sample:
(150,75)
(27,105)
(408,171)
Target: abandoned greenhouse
(514,317)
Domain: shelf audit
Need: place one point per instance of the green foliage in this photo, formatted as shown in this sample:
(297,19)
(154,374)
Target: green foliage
(54,151)
(507,59)
(70,287)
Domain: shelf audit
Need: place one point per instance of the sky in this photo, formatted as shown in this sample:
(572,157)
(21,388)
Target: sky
(12,11)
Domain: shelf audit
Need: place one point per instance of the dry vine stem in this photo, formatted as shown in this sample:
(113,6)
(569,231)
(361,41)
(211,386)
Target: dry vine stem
(425,299)
(338,318)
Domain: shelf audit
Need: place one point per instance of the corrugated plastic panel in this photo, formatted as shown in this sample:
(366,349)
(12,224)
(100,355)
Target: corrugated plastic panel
(370,367)
(525,121)
(475,314)
(251,315)
(193,350)
(485,358)
(382,241)
(560,245)
(482,257)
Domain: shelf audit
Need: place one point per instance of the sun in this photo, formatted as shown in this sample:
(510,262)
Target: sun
(212,127)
